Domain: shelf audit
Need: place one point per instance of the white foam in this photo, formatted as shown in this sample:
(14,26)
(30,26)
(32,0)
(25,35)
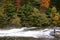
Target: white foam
(16,32)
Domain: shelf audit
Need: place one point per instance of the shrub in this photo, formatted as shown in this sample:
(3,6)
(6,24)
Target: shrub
(32,17)
(56,19)
(3,20)
(55,16)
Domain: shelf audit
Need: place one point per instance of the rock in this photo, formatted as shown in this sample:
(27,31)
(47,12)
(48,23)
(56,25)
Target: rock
(56,34)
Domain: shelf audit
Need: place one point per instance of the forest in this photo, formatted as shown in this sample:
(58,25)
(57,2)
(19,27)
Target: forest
(29,13)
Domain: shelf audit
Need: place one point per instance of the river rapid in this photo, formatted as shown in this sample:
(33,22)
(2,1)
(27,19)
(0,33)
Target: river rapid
(25,33)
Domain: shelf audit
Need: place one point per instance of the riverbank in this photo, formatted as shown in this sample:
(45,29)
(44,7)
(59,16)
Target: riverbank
(24,38)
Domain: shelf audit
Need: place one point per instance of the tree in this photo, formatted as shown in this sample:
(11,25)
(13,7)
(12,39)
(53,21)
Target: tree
(44,4)
(17,5)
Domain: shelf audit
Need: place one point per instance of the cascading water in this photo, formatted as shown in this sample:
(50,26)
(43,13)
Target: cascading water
(25,32)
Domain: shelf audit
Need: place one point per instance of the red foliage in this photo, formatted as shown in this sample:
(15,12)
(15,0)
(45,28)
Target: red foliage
(43,1)
(17,5)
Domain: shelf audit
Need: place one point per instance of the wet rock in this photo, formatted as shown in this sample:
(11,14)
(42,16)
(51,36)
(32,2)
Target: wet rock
(56,34)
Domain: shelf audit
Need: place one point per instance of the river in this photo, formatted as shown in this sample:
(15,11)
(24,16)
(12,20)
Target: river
(25,33)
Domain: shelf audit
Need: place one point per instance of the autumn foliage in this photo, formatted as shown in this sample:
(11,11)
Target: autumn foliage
(17,5)
(28,13)
(44,3)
